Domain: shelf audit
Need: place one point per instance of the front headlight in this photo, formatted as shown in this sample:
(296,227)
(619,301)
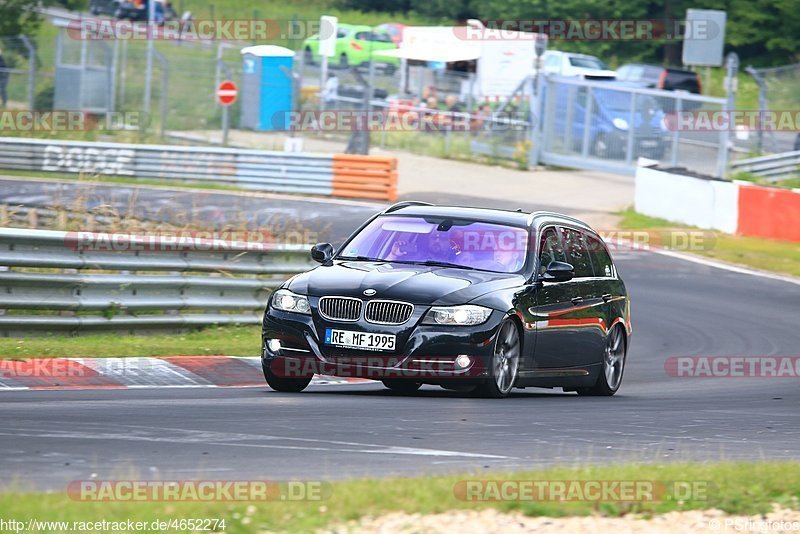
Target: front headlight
(285,300)
(466,315)
(620,123)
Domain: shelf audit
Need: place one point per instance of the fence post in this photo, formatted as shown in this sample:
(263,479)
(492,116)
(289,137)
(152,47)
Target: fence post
(732,66)
(673,160)
(762,101)
(587,121)
(631,130)
(164,91)
(31,71)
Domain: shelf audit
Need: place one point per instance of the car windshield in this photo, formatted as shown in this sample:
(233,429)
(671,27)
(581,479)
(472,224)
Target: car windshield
(448,242)
(621,100)
(587,63)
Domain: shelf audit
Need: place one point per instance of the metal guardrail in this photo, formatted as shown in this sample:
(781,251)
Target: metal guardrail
(78,281)
(370,177)
(773,167)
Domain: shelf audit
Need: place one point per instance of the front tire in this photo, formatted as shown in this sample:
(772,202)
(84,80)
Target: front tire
(610,378)
(504,364)
(402,386)
(344,61)
(282,383)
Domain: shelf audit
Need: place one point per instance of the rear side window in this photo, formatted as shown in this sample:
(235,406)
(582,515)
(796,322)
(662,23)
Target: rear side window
(601,260)
(577,254)
(551,249)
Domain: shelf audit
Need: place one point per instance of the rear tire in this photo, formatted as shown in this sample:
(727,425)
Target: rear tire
(344,62)
(402,386)
(282,383)
(504,363)
(610,378)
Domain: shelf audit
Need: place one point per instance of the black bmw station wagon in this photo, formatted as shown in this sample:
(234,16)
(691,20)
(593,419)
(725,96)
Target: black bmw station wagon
(469,299)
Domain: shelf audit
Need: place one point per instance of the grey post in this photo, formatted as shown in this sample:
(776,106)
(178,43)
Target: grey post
(732,68)
(31,70)
(148,75)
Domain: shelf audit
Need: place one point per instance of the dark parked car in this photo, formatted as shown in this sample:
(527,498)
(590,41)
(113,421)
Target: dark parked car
(664,78)
(466,298)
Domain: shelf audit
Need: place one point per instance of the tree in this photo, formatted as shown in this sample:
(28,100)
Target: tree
(20,17)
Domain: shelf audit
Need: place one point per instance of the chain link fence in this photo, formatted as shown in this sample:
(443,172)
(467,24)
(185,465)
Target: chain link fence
(18,72)
(778,90)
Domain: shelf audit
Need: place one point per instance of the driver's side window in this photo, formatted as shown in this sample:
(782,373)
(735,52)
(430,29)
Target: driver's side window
(550,249)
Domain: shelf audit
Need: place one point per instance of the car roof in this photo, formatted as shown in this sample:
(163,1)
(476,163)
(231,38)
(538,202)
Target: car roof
(355,27)
(497,216)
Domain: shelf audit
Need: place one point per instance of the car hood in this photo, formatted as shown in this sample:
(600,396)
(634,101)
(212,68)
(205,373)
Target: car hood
(417,284)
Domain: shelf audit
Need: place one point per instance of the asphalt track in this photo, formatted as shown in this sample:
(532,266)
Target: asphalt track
(680,308)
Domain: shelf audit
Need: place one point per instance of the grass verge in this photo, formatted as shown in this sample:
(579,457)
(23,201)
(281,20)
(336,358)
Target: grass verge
(219,341)
(735,488)
(759,253)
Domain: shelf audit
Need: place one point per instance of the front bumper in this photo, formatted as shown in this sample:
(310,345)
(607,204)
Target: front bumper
(424,353)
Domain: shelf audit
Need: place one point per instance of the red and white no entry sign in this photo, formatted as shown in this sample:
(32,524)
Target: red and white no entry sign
(226,93)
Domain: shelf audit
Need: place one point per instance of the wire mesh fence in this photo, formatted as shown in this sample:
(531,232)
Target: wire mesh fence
(779,90)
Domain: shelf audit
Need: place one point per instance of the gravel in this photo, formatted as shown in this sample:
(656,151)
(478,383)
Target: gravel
(478,522)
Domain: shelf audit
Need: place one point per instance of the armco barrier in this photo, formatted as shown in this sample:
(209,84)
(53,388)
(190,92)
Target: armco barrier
(369,177)
(732,207)
(122,282)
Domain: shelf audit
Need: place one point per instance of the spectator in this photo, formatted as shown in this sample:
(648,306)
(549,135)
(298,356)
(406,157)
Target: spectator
(3,79)
(331,90)
(451,103)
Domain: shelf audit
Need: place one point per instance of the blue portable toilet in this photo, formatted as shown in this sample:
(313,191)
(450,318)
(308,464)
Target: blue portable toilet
(266,94)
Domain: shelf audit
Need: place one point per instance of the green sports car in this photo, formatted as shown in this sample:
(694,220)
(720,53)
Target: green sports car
(354,46)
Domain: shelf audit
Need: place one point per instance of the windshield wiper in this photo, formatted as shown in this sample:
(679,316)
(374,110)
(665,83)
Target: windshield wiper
(435,263)
(360,258)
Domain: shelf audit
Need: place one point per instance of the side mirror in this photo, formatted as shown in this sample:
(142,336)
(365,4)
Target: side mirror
(322,252)
(558,271)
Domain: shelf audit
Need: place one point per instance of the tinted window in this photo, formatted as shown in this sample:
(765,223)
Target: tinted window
(587,62)
(476,244)
(601,260)
(380,37)
(551,250)
(577,253)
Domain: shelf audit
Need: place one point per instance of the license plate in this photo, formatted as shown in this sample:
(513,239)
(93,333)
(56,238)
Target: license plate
(359,340)
(649,144)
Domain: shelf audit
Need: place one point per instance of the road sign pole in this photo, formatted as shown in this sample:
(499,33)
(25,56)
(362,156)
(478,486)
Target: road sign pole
(225,125)
(227,93)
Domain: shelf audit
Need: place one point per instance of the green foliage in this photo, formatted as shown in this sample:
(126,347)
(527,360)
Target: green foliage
(18,17)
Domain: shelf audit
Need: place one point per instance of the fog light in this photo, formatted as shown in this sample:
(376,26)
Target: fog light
(274,345)
(463,361)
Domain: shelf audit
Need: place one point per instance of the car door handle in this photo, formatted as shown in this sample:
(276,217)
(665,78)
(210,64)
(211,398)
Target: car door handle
(577,300)
(606,297)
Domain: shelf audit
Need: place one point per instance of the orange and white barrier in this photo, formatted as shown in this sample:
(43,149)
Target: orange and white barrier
(732,207)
